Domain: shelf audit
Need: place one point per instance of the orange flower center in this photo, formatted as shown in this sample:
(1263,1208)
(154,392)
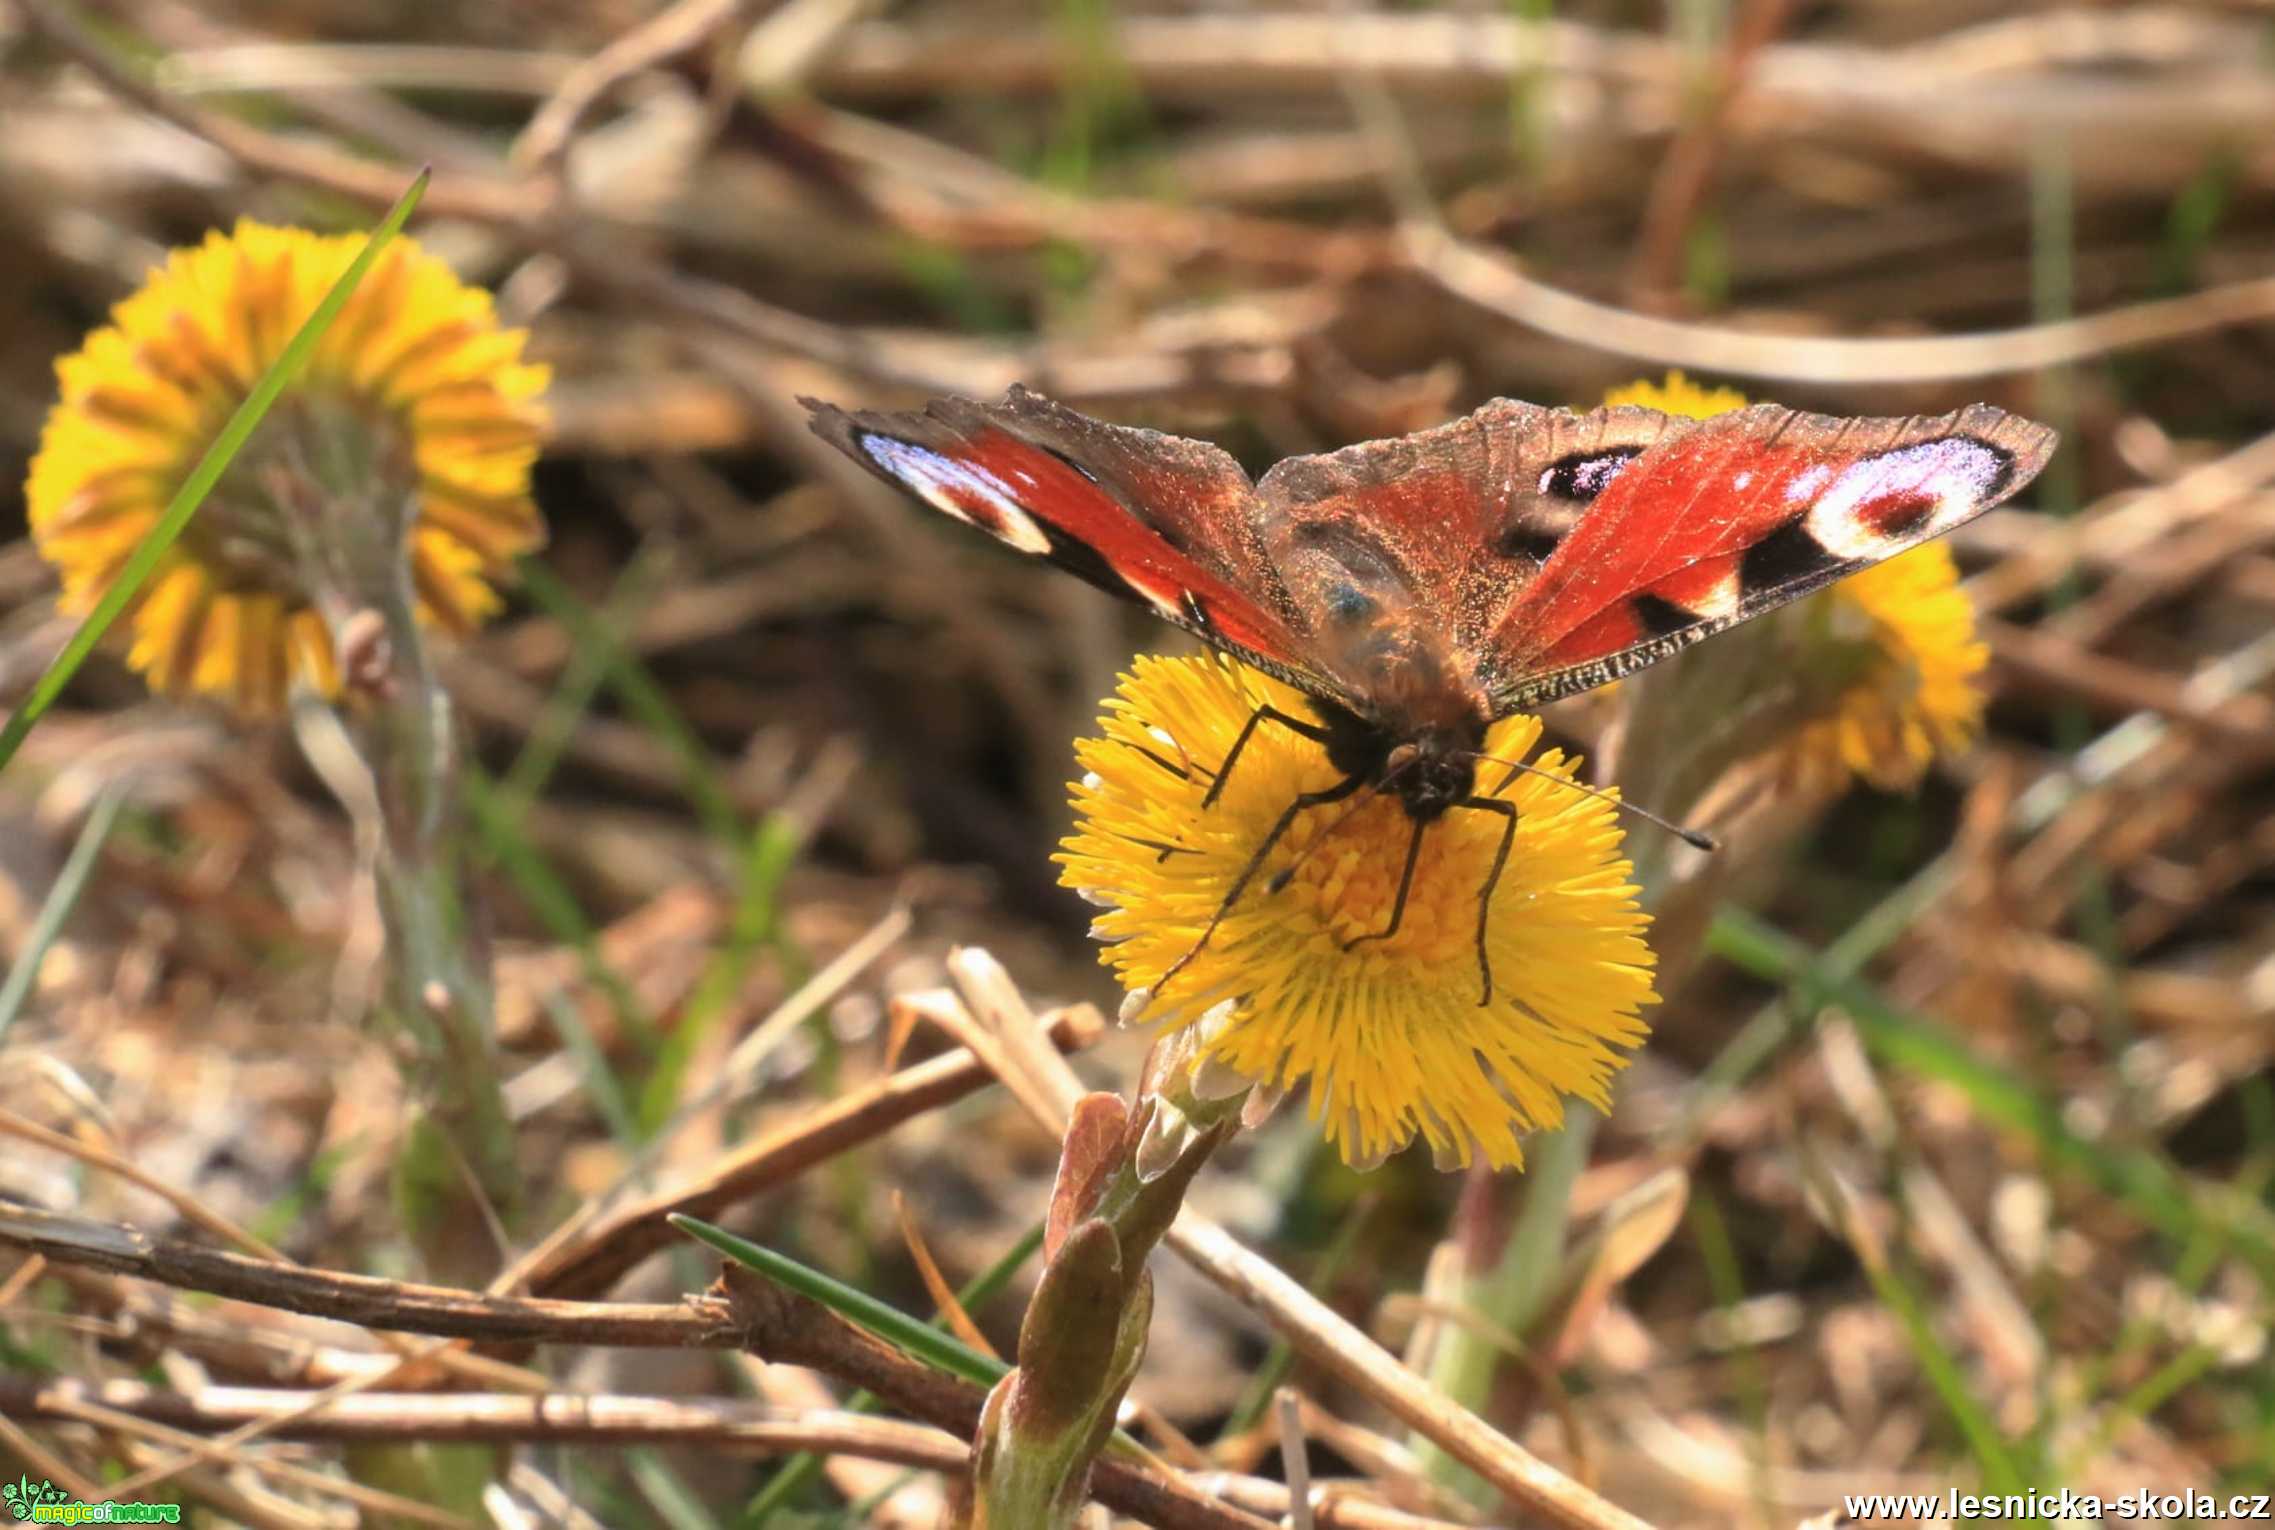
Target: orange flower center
(1346,866)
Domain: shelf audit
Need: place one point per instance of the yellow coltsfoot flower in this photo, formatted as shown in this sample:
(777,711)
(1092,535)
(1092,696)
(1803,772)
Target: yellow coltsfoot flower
(407,442)
(1913,692)
(1389,1034)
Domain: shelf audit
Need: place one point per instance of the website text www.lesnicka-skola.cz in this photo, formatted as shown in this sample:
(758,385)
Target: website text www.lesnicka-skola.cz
(2126,1508)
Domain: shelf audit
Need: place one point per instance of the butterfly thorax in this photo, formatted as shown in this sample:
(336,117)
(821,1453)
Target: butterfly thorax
(1427,768)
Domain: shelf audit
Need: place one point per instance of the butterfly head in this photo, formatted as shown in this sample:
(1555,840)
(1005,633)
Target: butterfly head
(1428,767)
(1430,774)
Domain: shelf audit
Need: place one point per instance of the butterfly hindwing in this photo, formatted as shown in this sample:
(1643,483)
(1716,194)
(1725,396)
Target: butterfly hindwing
(1170,523)
(1731,516)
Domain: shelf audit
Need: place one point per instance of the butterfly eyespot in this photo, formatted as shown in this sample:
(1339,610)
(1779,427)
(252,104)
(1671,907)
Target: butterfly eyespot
(1406,579)
(1584,475)
(1872,505)
(1899,514)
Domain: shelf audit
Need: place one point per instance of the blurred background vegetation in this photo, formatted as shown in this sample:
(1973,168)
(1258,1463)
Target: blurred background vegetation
(1974,1104)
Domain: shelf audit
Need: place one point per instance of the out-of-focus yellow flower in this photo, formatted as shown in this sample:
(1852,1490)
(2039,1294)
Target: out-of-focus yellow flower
(1913,695)
(415,373)
(1390,1034)
(1677,394)
(1898,640)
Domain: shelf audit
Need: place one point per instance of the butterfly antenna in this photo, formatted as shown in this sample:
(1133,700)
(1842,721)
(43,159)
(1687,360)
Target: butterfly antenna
(1697,838)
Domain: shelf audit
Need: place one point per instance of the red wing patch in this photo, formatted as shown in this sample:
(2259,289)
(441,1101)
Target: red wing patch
(1166,522)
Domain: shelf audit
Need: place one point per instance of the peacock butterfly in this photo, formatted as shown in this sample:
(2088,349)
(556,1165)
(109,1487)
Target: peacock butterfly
(1417,589)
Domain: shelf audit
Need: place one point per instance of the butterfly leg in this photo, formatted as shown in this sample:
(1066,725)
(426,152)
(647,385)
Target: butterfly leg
(1508,812)
(1321,798)
(1163,851)
(1263,714)
(1405,886)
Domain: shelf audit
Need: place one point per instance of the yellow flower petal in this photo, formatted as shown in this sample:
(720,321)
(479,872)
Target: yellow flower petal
(415,349)
(1390,1033)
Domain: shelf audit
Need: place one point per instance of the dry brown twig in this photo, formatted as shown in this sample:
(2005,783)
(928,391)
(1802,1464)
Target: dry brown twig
(741,1313)
(1481,279)
(37,1457)
(2177,536)
(701,1423)
(1687,172)
(455,194)
(494,1417)
(677,29)
(601,1252)
(72,1400)
(384,1305)
(2095,80)
(1491,282)
(2121,529)
(1316,1330)
(198,1214)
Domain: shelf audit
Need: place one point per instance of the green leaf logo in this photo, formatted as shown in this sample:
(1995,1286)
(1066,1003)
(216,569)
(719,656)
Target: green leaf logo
(22,1497)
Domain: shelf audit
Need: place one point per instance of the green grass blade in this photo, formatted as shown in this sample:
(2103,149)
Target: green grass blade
(2156,1190)
(602,1087)
(675,1503)
(145,558)
(69,883)
(1725,1278)
(581,679)
(2001,1473)
(755,925)
(2168,1381)
(888,1323)
(782,1489)
(643,697)
(1771,1026)
(1279,1360)
(550,899)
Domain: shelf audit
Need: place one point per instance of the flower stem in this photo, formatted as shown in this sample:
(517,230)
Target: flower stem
(461,1148)
(1510,1293)
(337,491)
(1085,1330)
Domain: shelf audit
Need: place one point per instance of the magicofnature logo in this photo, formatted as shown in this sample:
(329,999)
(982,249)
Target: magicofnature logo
(47,1504)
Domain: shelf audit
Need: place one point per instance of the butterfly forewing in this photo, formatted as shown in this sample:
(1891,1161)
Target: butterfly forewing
(1170,523)
(1728,517)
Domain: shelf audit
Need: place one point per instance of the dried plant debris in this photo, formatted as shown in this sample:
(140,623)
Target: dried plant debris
(722,850)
